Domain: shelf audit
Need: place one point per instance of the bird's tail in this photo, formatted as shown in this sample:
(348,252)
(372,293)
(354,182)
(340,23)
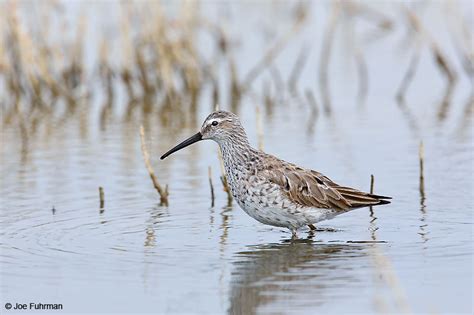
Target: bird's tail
(359,199)
(382,200)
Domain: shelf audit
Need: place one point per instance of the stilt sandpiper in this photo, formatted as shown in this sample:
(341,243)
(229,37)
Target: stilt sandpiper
(271,190)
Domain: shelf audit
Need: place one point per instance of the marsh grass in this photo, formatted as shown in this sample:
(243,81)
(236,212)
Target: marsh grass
(163,192)
(421,154)
(156,61)
(157,66)
(211,186)
(101,199)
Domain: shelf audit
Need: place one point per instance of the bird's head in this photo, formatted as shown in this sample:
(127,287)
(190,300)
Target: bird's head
(220,126)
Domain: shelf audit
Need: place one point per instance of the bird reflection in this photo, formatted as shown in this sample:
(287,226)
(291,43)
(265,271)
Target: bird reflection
(292,273)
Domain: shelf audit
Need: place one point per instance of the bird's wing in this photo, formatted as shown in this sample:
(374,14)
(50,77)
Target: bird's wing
(312,189)
(304,187)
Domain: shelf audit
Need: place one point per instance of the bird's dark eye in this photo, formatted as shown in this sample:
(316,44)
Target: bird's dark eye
(214,123)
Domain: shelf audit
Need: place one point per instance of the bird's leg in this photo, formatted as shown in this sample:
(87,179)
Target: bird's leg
(312,227)
(293,233)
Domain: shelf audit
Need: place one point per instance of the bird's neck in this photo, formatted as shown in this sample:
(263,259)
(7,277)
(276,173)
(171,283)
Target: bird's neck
(237,155)
(235,149)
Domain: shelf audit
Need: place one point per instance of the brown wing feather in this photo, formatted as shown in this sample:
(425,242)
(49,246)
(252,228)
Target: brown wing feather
(312,189)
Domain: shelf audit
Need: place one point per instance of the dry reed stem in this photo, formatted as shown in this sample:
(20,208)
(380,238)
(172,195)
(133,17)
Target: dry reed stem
(469,107)
(278,82)
(235,87)
(421,154)
(373,218)
(409,74)
(273,52)
(325,57)
(380,19)
(215,94)
(362,73)
(462,38)
(101,197)
(162,192)
(209,172)
(440,57)
(351,9)
(371,183)
(298,68)
(373,228)
(314,112)
(423,232)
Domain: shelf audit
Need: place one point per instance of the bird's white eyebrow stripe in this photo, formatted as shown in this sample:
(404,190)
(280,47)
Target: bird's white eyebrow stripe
(215,119)
(208,123)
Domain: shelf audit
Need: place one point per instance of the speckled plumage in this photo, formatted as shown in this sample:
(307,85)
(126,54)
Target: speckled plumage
(271,190)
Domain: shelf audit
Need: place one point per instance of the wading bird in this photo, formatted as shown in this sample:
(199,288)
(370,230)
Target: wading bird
(271,190)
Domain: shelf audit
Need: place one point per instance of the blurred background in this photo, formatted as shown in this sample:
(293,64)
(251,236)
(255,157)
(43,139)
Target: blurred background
(348,88)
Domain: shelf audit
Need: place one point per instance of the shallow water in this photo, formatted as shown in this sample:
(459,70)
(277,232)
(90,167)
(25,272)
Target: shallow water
(58,246)
(191,257)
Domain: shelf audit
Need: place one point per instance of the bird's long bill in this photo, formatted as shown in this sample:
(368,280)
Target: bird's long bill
(197,137)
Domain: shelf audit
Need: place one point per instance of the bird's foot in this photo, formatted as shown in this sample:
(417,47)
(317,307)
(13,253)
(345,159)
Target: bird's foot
(327,229)
(313,229)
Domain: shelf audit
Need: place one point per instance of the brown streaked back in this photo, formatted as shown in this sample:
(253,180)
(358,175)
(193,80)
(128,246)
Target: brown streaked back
(312,189)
